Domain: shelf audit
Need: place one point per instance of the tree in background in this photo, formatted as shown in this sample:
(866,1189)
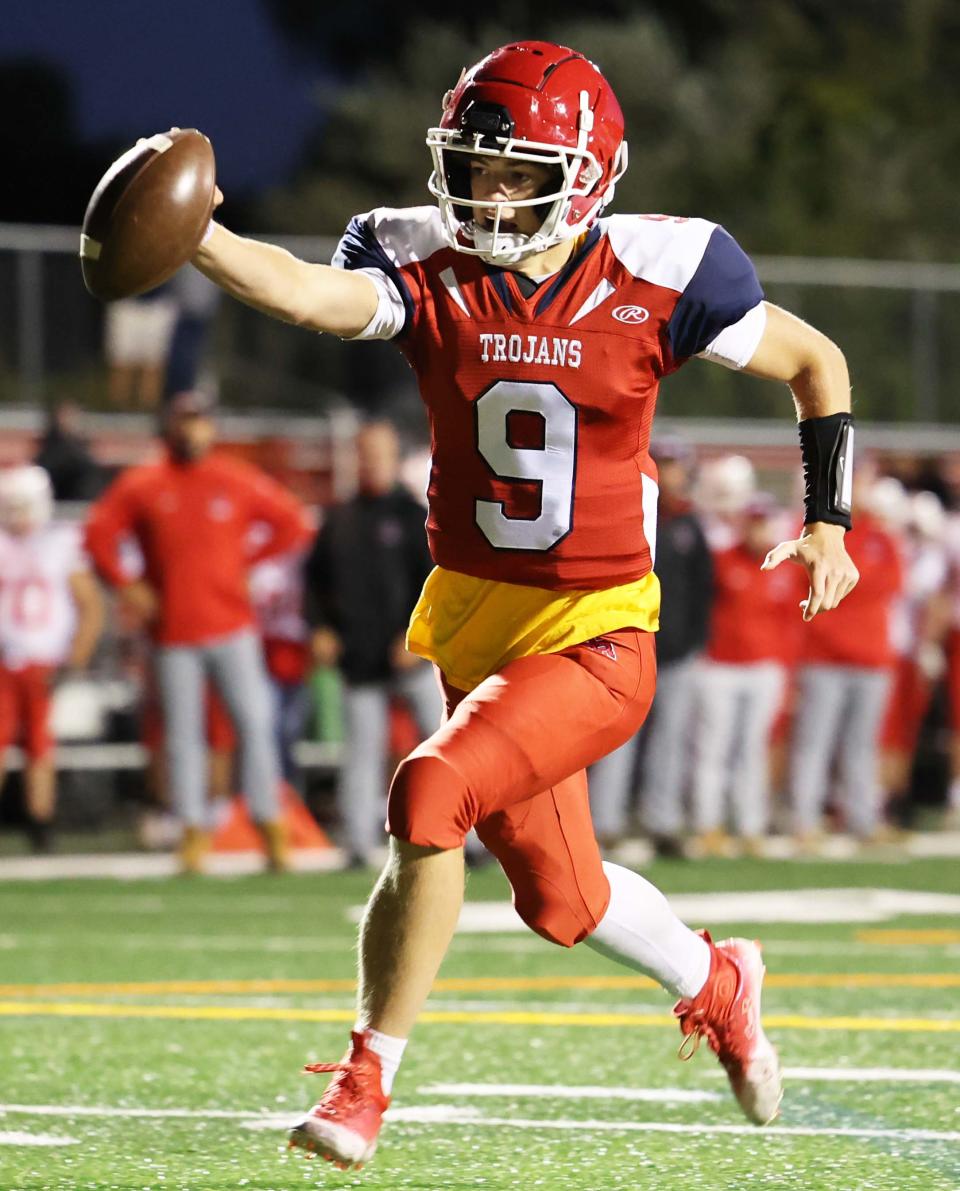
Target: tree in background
(48,174)
(807,126)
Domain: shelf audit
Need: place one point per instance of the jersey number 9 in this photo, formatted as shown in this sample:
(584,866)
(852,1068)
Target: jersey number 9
(552,466)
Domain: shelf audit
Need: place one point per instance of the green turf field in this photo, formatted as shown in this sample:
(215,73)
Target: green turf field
(151,1035)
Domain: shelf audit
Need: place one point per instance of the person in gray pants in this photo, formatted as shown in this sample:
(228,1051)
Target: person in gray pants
(843,684)
(684,567)
(362,579)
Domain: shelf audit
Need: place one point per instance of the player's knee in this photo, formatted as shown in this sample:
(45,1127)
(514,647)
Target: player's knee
(546,910)
(430,804)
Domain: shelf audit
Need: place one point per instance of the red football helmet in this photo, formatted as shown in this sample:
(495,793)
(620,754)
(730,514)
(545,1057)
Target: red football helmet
(529,101)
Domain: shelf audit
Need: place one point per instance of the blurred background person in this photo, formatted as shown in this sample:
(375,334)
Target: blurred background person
(192,515)
(362,579)
(723,489)
(276,586)
(740,686)
(844,679)
(919,624)
(196,300)
(63,453)
(51,616)
(137,336)
(951,820)
(685,570)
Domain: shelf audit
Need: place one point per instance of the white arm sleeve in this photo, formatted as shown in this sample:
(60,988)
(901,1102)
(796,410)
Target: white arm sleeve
(389,317)
(735,345)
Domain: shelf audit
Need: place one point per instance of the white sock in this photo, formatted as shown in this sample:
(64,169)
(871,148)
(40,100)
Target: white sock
(641,931)
(953,795)
(389,1051)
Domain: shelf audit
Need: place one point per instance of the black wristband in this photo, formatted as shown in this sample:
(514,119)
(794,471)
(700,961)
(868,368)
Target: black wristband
(826,445)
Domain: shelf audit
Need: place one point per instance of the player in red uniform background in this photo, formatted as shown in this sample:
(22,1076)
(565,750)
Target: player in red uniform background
(539,333)
(51,617)
(741,687)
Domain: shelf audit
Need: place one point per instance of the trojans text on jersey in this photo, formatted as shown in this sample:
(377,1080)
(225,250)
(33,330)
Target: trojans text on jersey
(551,350)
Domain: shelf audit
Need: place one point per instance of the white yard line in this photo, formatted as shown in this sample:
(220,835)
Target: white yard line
(593,1126)
(806,907)
(851,947)
(126,866)
(871,1075)
(444,1114)
(36,1139)
(562,1092)
(239,944)
(518,945)
(102,1110)
(229,944)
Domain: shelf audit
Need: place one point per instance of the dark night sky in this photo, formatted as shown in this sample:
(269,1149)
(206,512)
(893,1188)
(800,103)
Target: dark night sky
(137,68)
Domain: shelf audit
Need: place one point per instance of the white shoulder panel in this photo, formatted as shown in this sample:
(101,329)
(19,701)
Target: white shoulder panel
(663,250)
(408,234)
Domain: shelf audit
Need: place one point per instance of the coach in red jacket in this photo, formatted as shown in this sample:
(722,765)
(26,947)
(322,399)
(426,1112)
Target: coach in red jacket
(191,514)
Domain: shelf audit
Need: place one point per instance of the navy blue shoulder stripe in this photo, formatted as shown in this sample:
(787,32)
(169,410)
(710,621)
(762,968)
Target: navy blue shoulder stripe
(719,294)
(360,249)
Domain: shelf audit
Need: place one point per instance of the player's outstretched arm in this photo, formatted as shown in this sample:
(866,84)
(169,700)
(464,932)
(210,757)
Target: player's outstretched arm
(815,370)
(805,359)
(271,279)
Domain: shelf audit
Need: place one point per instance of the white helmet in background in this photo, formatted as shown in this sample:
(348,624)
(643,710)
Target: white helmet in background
(26,498)
(889,501)
(928,517)
(726,485)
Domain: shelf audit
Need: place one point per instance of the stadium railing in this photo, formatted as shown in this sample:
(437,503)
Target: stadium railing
(898,322)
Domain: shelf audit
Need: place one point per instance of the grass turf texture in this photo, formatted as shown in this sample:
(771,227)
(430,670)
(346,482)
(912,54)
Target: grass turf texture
(246,1059)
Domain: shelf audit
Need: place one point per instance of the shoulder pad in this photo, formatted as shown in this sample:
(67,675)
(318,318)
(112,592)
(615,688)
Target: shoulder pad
(405,234)
(662,249)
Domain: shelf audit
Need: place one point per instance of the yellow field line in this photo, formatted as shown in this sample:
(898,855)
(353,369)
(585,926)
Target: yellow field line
(502,1018)
(900,938)
(470,984)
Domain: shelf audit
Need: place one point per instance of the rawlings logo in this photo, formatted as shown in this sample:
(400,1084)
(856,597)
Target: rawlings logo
(634,315)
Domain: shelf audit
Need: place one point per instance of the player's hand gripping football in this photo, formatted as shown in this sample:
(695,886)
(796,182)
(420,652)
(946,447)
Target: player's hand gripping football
(820,550)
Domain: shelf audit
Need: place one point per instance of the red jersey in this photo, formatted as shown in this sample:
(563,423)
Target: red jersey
(755,613)
(857,633)
(192,522)
(541,402)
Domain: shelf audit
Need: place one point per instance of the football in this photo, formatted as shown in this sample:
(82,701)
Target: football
(148,214)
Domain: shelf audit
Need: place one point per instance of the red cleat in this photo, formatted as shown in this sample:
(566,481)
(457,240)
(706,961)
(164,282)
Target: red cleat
(726,1012)
(343,1127)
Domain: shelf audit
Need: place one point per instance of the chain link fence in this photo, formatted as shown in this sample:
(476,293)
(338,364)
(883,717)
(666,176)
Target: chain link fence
(897,322)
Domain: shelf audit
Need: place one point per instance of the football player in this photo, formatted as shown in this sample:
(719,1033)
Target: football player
(51,615)
(539,333)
